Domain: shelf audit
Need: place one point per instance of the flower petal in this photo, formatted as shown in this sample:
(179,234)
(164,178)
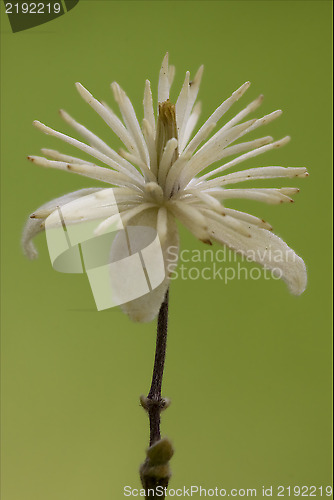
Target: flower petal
(35,226)
(109,117)
(131,121)
(87,149)
(257,173)
(191,124)
(223,108)
(192,92)
(267,195)
(148,106)
(146,308)
(163,84)
(268,250)
(246,156)
(98,144)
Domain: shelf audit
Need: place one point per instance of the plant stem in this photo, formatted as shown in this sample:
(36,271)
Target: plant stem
(154,396)
(155,471)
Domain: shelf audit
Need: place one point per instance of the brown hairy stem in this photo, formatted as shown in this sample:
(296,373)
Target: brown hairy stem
(155,472)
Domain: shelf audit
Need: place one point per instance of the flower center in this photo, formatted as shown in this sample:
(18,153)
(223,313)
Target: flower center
(166,129)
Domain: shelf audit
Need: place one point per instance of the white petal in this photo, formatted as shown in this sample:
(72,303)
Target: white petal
(203,133)
(271,195)
(163,85)
(130,120)
(35,226)
(193,92)
(173,177)
(109,117)
(148,175)
(268,250)
(256,123)
(146,308)
(133,212)
(96,142)
(51,153)
(88,170)
(162,224)
(223,137)
(214,150)
(149,135)
(192,219)
(248,218)
(265,120)
(258,173)
(88,208)
(246,146)
(223,108)
(166,160)
(200,195)
(251,154)
(240,116)
(148,106)
(127,215)
(84,147)
(171,74)
(228,222)
(182,103)
(191,124)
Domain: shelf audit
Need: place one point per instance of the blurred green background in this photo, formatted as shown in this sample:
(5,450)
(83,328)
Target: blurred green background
(248,365)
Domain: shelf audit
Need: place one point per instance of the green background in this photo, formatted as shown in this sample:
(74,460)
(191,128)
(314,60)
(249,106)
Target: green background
(248,366)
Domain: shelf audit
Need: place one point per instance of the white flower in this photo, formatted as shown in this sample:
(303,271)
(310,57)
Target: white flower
(163,175)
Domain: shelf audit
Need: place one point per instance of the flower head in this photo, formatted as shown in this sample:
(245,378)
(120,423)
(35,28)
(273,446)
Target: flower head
(163,174)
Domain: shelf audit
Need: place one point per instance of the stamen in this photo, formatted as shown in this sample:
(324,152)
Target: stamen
(166,128)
